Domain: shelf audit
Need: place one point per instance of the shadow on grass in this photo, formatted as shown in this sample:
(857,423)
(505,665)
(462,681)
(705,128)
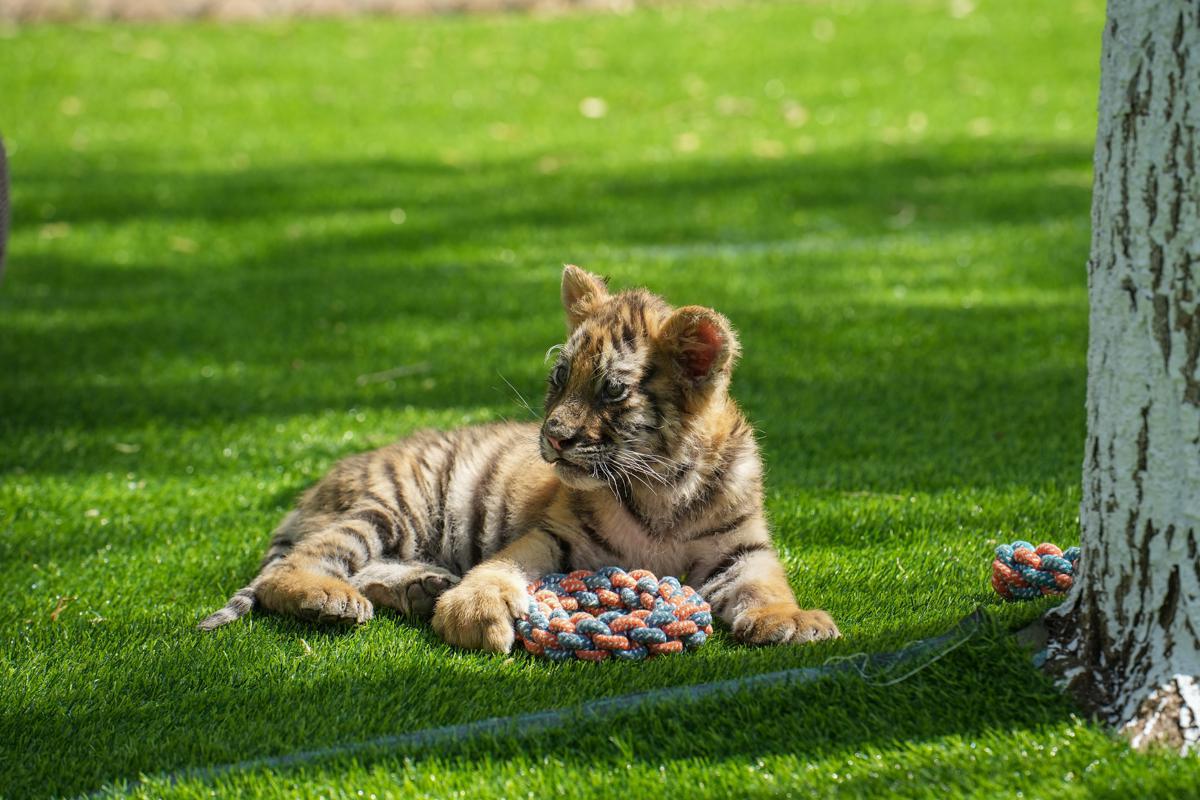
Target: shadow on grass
(290,326)
(951,399)
(947,185)
(217,714)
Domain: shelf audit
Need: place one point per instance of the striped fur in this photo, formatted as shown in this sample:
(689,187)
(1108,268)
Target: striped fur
(643,460)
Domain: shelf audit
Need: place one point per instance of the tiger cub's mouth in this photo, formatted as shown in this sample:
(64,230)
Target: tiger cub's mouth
(571,467)
(578,462)
(581,462)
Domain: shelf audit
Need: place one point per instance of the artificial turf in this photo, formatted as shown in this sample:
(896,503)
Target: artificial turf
(242,252)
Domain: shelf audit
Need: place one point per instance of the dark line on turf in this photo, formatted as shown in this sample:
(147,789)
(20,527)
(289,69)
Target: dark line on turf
(524,724)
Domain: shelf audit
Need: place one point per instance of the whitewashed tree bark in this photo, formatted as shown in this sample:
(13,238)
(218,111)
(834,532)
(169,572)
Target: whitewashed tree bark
(1127,640)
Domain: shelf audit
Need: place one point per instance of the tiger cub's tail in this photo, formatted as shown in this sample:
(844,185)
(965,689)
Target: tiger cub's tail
(238,606)
(246,598)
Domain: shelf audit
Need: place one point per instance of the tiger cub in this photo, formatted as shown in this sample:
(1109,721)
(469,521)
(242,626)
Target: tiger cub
(643,461)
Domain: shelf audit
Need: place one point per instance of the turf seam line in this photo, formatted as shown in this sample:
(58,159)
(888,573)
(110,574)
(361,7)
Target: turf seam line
(538,721)
(859,661)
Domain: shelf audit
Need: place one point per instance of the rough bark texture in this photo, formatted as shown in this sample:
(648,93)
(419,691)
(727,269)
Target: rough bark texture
(1127,641)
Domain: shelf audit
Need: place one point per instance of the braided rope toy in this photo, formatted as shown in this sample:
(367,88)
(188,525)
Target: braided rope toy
(1023,572)
(628,615)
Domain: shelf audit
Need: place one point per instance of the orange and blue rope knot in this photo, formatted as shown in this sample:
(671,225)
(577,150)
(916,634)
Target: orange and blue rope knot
(610,612)
(1023,572)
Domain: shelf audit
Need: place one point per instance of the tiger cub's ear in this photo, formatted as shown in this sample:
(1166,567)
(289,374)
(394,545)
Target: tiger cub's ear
(701,343)
(582,292)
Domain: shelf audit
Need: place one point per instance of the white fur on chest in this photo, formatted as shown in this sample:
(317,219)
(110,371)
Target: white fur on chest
(635,548)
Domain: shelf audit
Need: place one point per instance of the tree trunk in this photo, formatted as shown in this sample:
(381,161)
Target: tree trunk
(1127,640)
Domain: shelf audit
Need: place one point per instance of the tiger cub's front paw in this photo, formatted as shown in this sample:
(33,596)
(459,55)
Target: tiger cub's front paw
(479,613)
(783,623)
(411,589)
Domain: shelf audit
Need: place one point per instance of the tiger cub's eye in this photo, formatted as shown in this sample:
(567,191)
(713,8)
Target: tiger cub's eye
(613,392)
(558,375)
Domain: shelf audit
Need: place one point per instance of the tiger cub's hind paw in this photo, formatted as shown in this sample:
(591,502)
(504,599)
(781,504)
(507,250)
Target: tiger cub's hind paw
(311,596)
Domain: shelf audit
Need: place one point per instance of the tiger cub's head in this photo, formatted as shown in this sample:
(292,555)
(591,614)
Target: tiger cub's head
(631,385)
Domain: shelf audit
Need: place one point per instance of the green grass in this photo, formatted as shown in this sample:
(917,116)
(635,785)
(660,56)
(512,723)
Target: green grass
(220,230)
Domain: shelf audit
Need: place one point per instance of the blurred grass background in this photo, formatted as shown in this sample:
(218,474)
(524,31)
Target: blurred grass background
(241,252)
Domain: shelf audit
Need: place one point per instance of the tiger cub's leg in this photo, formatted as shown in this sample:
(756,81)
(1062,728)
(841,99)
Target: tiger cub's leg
(410,587)
(742,578)
(314,579)
(300,591)
(479,612)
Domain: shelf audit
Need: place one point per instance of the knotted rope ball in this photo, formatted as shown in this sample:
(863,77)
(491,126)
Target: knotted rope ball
(611,612)
(1023,572)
